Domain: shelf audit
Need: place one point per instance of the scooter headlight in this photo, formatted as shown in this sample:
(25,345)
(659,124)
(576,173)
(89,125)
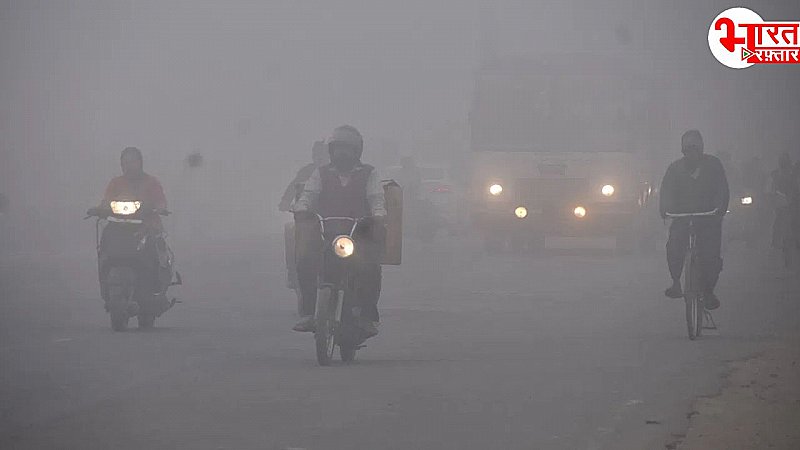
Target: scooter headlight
(521,212)
(495,189)
(747,200)
(580,212)
(343,246)
(607,190)
(125,208)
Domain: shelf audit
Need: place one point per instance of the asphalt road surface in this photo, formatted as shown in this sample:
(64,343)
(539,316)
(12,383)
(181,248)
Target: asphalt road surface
(475,352)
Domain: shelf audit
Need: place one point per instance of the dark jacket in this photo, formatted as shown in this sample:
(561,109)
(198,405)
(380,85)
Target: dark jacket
(681,192)
(338,200)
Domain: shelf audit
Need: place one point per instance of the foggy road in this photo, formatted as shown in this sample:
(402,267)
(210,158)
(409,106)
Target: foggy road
(475,352)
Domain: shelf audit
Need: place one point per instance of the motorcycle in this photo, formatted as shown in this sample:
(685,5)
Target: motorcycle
(344,241)
(135,267)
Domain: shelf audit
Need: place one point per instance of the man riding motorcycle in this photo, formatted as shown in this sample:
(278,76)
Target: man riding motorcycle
(693,184)
(344,188)
(135,184)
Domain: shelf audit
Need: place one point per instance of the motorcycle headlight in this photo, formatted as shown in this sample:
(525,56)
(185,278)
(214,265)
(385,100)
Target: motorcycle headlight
(521,212)
(343,246)
(580,212)
(747,200)
(125,208)
(495,189)
(607,190)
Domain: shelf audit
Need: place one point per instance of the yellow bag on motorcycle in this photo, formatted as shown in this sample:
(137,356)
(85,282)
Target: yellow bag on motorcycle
(393,247)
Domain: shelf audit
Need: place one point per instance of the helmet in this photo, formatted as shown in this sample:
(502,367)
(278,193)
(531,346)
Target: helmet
(347,135)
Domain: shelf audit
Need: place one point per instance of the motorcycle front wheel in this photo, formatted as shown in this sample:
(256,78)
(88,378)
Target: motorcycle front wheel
(323,335)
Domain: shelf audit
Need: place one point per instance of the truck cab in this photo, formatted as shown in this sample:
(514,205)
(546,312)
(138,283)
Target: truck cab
(559,152)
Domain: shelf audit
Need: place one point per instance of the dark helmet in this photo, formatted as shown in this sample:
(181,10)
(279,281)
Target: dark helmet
(349,136)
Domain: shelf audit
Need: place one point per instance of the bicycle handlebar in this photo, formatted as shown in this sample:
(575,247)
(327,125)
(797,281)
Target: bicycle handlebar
(700,214)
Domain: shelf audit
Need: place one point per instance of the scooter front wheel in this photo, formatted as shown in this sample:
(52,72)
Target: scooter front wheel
(121,282)
(146,321)
(347,352)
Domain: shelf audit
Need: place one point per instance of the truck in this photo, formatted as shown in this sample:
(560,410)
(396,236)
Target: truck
(560,151)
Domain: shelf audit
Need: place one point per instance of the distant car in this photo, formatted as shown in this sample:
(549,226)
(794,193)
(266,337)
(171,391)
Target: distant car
(438,191)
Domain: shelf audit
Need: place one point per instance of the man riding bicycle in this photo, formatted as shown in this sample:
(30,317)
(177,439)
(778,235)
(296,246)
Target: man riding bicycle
(693,184)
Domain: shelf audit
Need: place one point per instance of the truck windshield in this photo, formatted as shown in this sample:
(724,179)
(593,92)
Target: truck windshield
(556,113)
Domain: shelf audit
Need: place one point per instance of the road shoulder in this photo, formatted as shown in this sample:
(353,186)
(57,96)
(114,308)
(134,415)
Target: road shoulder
(757,408)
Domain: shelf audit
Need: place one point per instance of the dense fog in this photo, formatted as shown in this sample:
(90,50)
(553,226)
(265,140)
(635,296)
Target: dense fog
(251,85)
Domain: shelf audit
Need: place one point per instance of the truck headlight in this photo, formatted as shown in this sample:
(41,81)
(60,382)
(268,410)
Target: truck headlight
(747,200)
(521,212)
(495,189)
(607,190)
(343,246)
(580,212)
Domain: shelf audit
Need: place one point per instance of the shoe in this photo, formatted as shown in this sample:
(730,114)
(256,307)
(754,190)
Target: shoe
(674,291)
(305,325)
(711,301)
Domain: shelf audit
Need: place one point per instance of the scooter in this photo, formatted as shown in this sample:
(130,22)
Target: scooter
(135,266)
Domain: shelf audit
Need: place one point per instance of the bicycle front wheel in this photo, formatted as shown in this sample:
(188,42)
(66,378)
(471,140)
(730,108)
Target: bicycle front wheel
(692,298)
(694,315)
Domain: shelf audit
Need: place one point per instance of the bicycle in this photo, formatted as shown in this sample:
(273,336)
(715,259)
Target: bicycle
(693,292)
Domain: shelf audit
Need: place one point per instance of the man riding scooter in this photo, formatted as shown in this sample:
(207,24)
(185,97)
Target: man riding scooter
(132,252)
(344,188)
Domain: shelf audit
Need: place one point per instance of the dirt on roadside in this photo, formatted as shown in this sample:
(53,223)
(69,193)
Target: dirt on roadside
(758,407)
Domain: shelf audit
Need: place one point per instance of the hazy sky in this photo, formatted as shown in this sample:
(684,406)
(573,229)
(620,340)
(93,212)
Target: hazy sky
(252,84)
